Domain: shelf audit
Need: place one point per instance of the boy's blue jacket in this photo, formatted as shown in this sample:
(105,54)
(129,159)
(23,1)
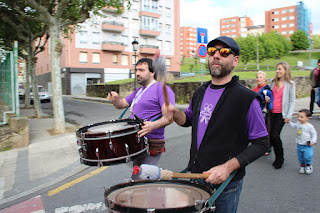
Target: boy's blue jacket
(268,93)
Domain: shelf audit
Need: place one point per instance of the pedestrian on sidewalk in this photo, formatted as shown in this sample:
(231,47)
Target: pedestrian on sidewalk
(315,84)
(228,128)
(146,103)
(267,99)
(284,98)
(306,138)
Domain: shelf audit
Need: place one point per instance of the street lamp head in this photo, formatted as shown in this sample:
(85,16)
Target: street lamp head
(135,44)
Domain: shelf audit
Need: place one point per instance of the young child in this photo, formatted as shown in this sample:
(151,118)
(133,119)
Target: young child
(306,138)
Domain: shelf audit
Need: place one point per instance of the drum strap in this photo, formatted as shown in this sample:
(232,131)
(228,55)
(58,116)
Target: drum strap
(219,190)
(124,112)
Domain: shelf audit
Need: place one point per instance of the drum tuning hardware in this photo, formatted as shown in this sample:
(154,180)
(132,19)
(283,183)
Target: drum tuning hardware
(151,210)
(80,150)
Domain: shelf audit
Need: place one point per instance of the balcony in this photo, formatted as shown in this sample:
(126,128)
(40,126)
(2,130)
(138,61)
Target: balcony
(114,9)
(148,49)
(149,14)
(151,32)
(113,26)
(113,46)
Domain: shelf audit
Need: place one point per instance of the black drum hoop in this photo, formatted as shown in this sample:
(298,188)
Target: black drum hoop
(127,120)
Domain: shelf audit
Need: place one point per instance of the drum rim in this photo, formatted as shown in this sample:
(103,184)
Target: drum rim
(109,190)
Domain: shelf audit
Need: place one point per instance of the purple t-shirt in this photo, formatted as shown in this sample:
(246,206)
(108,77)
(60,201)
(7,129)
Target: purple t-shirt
(148,105)
(255,121)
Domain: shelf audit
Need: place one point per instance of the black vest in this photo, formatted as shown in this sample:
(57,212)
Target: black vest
(226,135)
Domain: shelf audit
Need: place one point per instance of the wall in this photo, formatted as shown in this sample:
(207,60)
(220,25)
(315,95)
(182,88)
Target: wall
(184,91)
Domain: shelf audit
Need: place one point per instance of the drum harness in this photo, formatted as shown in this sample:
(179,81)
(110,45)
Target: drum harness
(209,203)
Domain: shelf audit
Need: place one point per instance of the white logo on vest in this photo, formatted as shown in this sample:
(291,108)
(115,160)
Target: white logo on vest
(205,114)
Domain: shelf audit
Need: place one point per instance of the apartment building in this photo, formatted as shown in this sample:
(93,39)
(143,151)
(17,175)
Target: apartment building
(235,26)
(255,30)
(102,50)
(286,20)
(188,41)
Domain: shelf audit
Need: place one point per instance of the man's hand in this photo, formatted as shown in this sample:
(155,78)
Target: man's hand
(112,96)
(220,173)
(147,128)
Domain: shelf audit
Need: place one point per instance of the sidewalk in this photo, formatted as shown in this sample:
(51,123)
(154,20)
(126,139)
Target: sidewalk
(50,159)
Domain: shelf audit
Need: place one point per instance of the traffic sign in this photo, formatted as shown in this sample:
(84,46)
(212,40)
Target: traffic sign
(202,36)
(202,51)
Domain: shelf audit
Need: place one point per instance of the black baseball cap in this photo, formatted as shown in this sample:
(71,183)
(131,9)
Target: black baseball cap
(230,42)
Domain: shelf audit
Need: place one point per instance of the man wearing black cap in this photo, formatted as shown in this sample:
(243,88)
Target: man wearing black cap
(228,129)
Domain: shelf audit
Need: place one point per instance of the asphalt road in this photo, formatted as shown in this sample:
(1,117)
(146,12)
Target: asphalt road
(265,189)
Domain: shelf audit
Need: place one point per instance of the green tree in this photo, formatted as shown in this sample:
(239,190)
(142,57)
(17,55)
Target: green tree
(247,49)
(316,42)
(299,40)
(60,15)
(14,27)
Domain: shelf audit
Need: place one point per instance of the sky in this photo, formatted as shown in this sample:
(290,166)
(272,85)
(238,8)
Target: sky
(207,13)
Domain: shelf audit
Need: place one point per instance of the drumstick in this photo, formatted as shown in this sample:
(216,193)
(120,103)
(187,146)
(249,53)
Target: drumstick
(159,67)
(139,120)
(151,172)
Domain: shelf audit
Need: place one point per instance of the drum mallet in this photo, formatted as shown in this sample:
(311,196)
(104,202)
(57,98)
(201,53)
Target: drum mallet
(151,172)
(159,67)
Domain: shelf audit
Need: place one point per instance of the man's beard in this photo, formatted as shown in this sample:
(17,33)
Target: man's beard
(224,70)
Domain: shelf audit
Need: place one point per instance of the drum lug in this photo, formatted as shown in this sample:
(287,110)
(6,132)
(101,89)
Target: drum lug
(151,210)
(203,206)
(128,159)
(111,204)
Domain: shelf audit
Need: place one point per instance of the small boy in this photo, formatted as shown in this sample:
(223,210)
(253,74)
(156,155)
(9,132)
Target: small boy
(306,138)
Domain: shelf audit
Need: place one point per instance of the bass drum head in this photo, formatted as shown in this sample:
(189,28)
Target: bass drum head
(161,195)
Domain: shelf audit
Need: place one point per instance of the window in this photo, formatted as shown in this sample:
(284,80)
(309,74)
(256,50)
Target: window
(96,58)
(168,12)
(284,11)
(159,43)
(275,26)
(284,32)
(275,12)
(168,46)
(125,22)
(135,24)
(284,26)
(275,19)
(134,59)
(168,29)
(83,57)
(291,17)
(150,6)
(291,25)
(114,59)
(168,62)
(284,18)
(291,10)
(95,38)
(124,60)
(83,37)
(150,23)
(125,40)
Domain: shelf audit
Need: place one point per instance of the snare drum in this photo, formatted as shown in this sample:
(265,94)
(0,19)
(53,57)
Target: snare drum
(110,142)
(158,196)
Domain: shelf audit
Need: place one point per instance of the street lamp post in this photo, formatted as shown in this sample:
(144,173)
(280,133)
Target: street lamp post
(257,34)
(135,45)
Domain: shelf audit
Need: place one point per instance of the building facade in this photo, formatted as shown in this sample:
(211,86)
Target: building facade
(101,50)
(188,41)
(235,26)
(286,20)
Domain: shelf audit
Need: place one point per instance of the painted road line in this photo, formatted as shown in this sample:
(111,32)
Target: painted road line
(92,207)
(74,182)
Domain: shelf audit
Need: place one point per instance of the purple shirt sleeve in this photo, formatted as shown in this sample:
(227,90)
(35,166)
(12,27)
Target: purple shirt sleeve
(255,122)
(188,111)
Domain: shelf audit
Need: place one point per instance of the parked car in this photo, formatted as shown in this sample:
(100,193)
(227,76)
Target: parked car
(44,95)
(21,91)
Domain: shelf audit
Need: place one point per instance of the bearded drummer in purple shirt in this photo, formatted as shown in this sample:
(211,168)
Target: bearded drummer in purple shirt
(228,128)
(147,102)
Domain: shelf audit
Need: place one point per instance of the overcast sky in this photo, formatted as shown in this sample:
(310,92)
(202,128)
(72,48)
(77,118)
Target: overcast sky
(207,13)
